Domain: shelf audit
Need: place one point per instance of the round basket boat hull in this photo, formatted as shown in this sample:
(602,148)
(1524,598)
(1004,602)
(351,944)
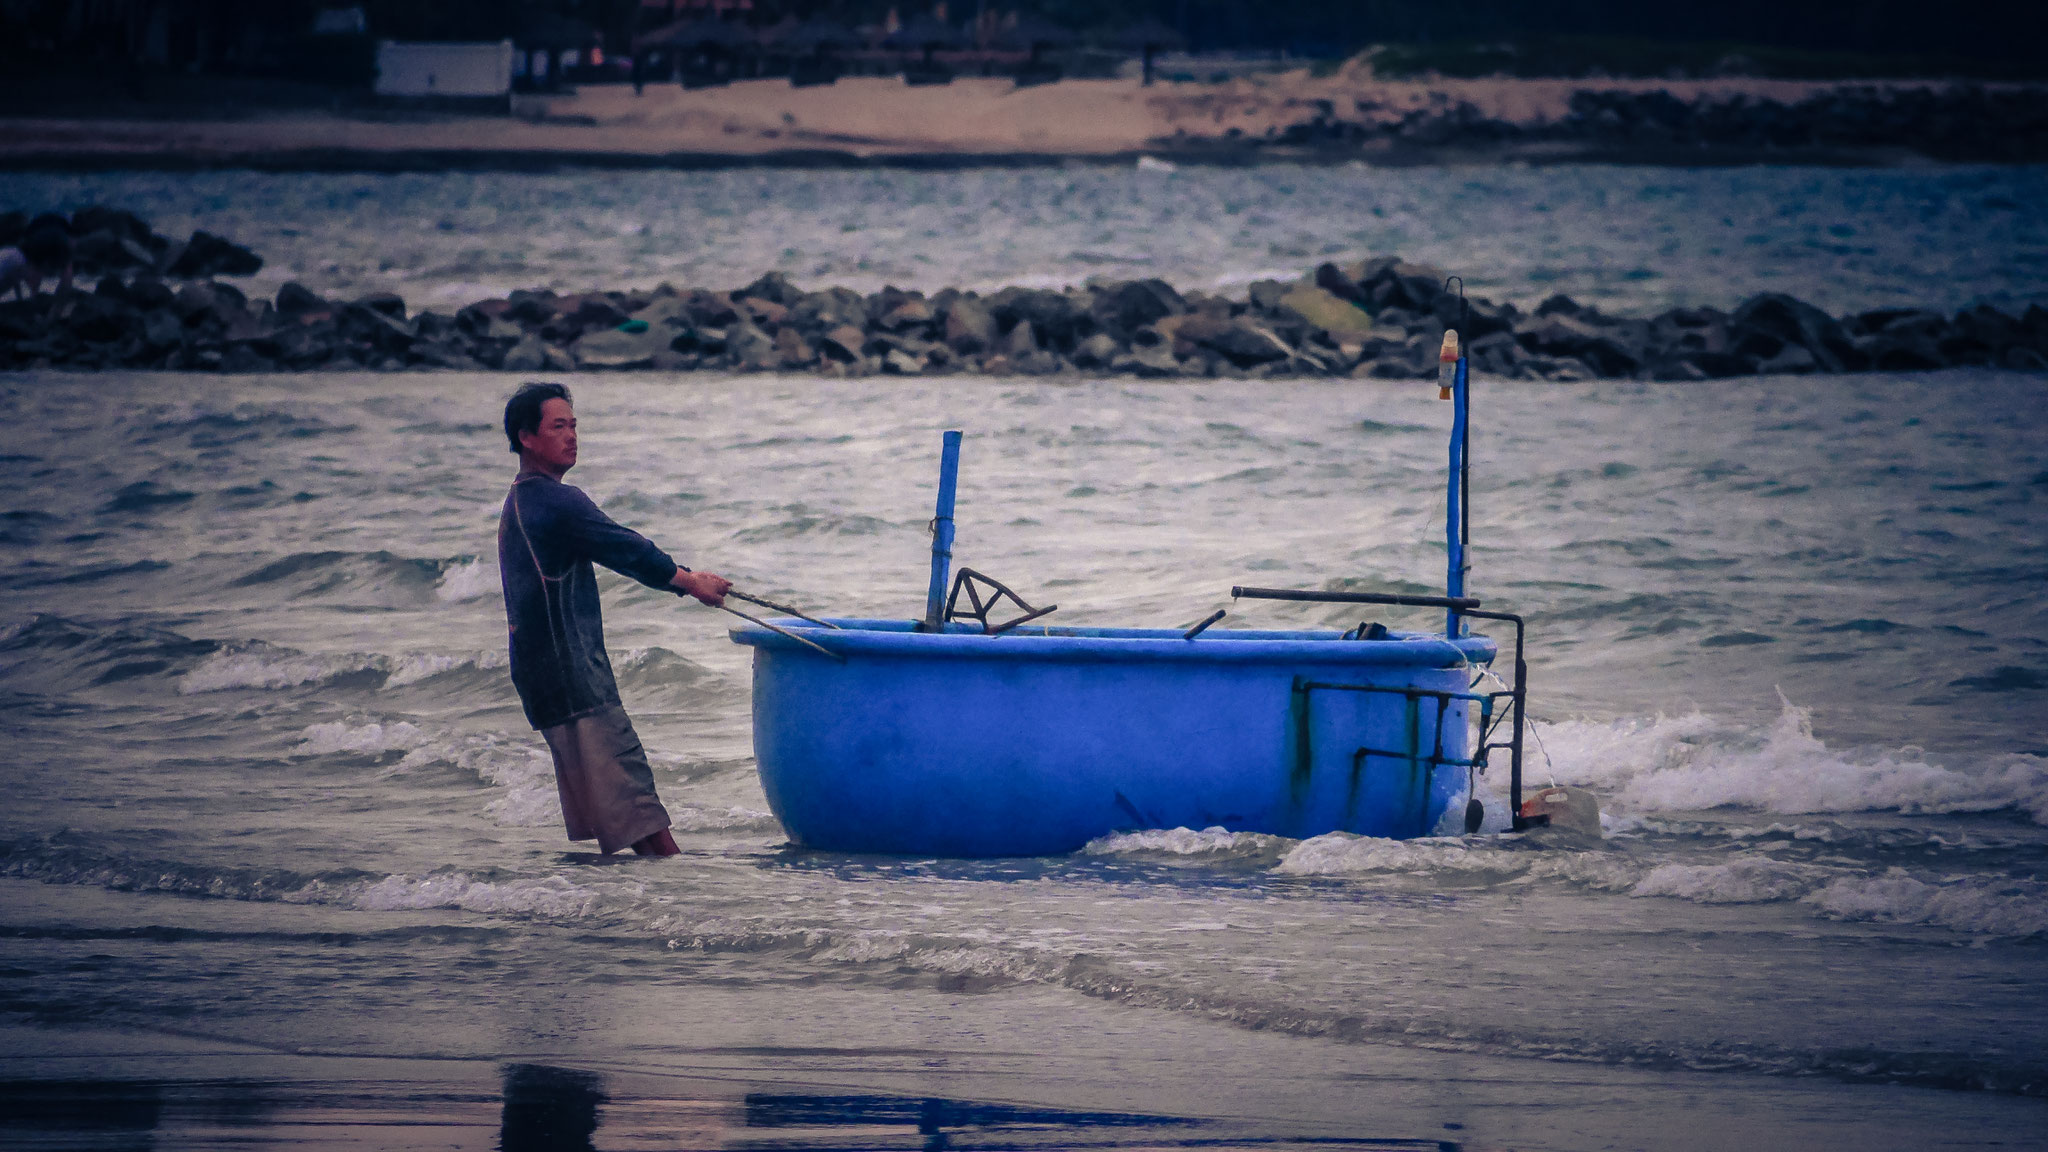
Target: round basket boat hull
(966,745)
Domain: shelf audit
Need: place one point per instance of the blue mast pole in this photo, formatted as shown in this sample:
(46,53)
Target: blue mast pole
(942,534)
(1454,519)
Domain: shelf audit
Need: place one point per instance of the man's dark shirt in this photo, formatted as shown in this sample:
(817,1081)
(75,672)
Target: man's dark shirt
(547,537)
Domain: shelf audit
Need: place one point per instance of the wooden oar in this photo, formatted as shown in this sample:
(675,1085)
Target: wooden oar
(783,631)
(785,609)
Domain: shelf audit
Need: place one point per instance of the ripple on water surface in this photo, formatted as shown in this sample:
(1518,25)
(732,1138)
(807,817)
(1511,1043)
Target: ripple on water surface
(1631,240)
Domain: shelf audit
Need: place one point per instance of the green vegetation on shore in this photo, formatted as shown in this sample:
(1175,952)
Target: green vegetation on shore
(1598,57)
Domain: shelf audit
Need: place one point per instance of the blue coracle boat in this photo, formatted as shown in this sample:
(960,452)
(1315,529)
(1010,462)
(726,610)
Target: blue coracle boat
(958,735)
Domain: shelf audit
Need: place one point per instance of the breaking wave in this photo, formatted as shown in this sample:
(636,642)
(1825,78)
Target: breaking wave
(259,666)
(552,897)
(1980,905)
(467,580)
(372,738)
(263,667)
(1210,845)
(1696,762)
(1741,882)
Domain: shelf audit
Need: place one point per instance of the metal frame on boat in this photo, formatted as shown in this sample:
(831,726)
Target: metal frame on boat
(960,735)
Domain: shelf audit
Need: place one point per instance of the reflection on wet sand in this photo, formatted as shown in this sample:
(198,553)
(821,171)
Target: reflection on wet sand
(551,1109)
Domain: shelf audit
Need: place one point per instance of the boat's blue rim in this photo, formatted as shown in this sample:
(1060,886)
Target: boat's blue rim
(860,637)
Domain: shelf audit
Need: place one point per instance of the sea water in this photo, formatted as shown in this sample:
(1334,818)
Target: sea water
(1629,240)
(273,813)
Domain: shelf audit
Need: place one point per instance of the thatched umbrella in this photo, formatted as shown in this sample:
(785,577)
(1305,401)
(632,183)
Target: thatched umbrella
(928,34)
(717,42)
(819,34)
(814,46)
(698,34)
(1149,36)
(545,30)
(1034,34)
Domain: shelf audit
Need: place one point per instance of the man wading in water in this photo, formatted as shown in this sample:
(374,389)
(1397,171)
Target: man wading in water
(547,537)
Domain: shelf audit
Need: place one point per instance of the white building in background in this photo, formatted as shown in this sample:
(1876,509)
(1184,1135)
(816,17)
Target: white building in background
(340,22)
(466,73)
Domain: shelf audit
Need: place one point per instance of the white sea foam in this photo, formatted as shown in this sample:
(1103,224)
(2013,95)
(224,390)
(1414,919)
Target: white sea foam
(550,896)
(414,667)
(1992,906)
(263,667)
(468,581)
(1185,842)
(953,957)
(687,818)
(1749,881)
(321,739)
(522,769)
(528,807)
(271,669)
(1341,853)
(1691,763)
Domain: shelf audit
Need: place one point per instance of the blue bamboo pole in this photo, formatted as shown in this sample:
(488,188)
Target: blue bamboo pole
(942,534)
(1454,519)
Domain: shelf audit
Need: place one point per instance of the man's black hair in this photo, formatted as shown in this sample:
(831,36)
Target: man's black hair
(47,248)
(522,411)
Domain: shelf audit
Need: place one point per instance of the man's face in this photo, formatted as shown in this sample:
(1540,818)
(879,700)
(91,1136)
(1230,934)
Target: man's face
(553,444)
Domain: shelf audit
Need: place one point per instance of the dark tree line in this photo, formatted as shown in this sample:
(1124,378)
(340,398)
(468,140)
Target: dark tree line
(231,33)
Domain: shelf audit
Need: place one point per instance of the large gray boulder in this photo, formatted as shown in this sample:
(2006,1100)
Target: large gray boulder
(206,255)
(1150,360)
(1324,311)
(619,349)
(1021,340)
(1054,318)
(775,287)
(912,315)
(1265,295)
(533,354)
(528,355)
(970,328)
(1240,340)
(844,343)
(1128,306)
(1398,284)
(1902,339)
(1983,335)
(1776,317)
(1038,363)
(819,312)
(299,345)
(1608,351)
(1096,351)
(751,349)
(792,350)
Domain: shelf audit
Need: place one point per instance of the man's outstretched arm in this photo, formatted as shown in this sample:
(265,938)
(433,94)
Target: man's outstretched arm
(630,554)
(706,586)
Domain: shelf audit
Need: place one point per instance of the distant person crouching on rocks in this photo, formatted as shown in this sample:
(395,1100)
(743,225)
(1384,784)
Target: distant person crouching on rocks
(548,536)
(45,251)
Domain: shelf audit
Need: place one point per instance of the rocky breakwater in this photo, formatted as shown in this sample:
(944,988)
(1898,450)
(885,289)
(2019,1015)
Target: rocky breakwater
(1961,123)
(109,241)
(1377,318)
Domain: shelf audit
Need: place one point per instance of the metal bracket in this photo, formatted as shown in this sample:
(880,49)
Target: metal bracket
(974,583)
(1496,708)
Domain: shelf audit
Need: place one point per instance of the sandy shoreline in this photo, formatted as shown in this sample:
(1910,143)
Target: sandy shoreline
(962,1066)
(870,120)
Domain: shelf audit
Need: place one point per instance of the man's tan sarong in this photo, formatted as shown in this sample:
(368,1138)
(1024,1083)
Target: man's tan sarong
(601,773)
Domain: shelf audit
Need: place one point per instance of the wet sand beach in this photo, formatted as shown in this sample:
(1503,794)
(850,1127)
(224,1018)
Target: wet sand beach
(882,120)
